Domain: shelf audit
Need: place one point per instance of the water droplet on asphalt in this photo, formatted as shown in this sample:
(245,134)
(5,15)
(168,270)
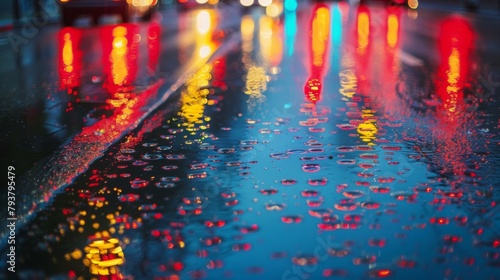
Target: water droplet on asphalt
(311,167)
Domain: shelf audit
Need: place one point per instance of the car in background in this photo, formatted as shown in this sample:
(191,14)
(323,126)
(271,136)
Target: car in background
(72,9)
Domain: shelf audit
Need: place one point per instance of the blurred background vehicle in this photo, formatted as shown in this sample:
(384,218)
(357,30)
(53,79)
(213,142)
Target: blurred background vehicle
(126,9)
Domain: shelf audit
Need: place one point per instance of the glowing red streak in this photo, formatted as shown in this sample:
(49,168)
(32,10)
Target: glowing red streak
(455,46)
(219,73)
(320,34)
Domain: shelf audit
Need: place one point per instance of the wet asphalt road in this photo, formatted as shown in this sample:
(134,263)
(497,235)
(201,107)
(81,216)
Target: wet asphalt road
(332,141)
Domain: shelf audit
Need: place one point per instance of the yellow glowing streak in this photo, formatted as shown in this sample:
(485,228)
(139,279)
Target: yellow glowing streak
(454,64)
(320,34)
(367,130)
(453,77)
(118,54)
(194,97)
(203,22)
(247,31)
(363,31)
(392,30)
(68,53)
(201,1)
(265,37)
(256,82)
(247,27)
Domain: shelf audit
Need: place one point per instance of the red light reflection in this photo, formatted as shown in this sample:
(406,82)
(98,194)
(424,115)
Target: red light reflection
(455,43)
(455,47)
(320,34)
(219,73)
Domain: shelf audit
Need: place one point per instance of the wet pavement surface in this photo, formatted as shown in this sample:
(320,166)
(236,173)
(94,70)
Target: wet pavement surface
(332,142)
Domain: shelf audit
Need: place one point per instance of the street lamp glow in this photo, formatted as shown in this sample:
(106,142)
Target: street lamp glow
(247,3)
(265,3)
(392,30)
(201,1)
(205,51)
(203,22)
(413,4)
(274,10)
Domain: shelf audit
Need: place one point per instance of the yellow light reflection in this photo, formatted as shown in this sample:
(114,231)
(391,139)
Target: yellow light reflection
(205,51)
(392,30)
(348,83)
(203,22)
(118,54)
(142,3)
(256,82)
(103,256)
(367,129)
(68,53)
(275,9)
(453,77)
(413,4)
(363,31)
(247,27)
(320,34)
(194,97)
(247,31)
(265,37)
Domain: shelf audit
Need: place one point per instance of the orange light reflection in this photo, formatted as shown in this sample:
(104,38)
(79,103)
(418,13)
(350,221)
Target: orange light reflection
(69,58)
(120,54)
(320,35)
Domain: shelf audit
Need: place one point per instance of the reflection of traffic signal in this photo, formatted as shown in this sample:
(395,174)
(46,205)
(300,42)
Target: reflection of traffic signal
(320,34)
(120,55)
(455,43)
(363,50)
(312,89)
(69,58)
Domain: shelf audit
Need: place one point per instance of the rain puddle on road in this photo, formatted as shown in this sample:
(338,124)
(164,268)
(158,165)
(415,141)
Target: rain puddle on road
(282,176)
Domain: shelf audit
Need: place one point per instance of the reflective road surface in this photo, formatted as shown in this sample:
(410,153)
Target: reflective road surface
(331,141)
